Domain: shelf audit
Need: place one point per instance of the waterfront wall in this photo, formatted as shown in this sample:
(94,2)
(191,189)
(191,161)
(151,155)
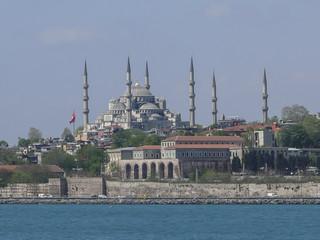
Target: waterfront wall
(192,190)
(87,187)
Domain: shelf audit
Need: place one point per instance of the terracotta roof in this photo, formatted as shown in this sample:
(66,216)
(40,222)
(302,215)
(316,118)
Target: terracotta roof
(9,167)
(51,168)
(203,138)
(202,146)
(243,127)
(151,147)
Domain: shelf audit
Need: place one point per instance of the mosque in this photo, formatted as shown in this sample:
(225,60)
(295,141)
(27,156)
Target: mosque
(138,108)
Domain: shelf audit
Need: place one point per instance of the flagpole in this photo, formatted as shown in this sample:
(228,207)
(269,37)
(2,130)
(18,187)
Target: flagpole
(73,129)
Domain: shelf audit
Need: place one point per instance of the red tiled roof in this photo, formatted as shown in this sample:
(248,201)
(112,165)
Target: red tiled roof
(206,146)
(243,127)
(51,168)
(151,147)
(203,139)
(9,167)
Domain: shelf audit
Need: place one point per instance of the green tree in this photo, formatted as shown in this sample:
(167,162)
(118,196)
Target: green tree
(219,133)
(153,139)
(248,138)
(282,163)
(3,143)
(122,138)
(60,158)
(293,136)
(236,164)
(273,119)
(34,133)
(79,129)
(19,176)
(8,156)
(250,160)
(296,113)
(23,142)
(67,135)
(312,126)
(92,159)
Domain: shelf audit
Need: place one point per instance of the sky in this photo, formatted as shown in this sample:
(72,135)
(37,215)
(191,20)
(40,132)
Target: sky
(44,44)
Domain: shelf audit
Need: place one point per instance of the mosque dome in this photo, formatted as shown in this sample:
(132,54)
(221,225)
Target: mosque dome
(148,106)
(138,91)
(117,106)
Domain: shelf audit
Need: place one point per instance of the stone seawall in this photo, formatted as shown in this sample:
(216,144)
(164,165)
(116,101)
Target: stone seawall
(193,190)
(88,187)
(165,201)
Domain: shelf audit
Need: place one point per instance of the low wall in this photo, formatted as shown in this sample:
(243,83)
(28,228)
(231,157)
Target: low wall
(192,190)
(87,187)
(23,190)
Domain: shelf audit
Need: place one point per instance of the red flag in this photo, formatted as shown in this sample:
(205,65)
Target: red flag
(73,118)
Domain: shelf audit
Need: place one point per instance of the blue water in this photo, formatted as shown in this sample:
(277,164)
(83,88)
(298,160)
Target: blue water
(159,222)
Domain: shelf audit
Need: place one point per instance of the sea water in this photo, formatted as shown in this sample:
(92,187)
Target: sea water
(159,222)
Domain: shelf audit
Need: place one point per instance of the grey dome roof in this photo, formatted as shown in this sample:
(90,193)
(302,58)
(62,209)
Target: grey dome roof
(117,106)
(149,106)
(138,91)
(155,115)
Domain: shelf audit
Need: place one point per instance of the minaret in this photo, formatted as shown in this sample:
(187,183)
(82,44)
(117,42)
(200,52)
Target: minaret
(147,85)
(85,99)
(214,100)
(265,98)
(192,107)
(128,95)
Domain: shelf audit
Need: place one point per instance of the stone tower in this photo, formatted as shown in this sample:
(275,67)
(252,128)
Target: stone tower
(265,98)
(85,99)
(129,95)
(192,95)
(147,85)
(214,100)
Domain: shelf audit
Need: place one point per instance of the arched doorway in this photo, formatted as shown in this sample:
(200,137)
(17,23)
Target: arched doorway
(161,170)
(144,171)
(170,170)
(136,171)
(128,171)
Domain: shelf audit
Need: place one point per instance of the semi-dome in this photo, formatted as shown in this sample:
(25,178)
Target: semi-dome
(149,106)
(117,106)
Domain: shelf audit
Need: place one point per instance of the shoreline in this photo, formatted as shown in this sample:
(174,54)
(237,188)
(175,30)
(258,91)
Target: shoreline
(165,201)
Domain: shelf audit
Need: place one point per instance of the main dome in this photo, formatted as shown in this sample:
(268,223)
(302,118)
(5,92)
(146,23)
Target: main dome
(138,91)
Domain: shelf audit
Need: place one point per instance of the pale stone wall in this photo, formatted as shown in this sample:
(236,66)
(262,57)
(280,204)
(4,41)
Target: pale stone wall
(23,190)
(85,187)
(191,190)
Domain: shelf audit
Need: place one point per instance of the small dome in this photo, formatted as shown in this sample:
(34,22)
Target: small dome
(149,106)
(155,115)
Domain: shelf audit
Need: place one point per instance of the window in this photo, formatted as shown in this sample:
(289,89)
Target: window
(200,154)
(213,154)
(218,154)
(222,154)
(209,154)
(205,154)
(191,154)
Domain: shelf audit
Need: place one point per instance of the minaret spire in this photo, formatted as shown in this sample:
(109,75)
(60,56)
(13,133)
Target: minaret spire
(85,99)
(192,95)
(147,85)
(129,95)
(214,100)
(265,98)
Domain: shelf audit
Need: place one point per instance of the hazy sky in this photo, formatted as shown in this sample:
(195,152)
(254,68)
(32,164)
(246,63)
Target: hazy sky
(43,46)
